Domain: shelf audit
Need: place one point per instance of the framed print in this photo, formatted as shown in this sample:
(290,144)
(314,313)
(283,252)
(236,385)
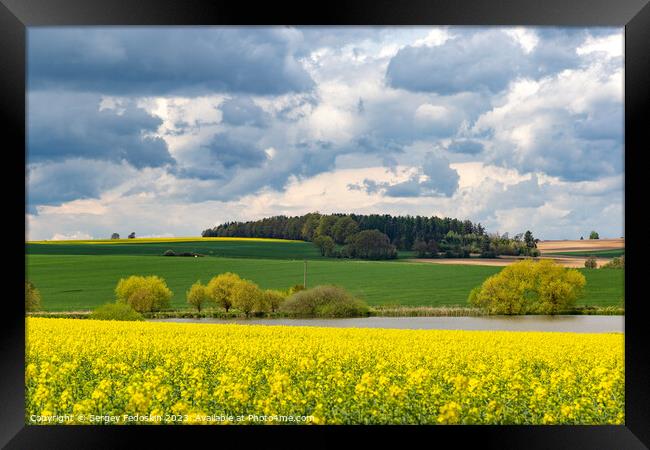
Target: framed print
(372,218)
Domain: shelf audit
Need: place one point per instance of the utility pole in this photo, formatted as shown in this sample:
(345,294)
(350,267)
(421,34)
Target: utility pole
(304,275)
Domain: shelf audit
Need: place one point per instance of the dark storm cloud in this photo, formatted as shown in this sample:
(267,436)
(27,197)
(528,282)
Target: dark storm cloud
(71,125)
(151,61)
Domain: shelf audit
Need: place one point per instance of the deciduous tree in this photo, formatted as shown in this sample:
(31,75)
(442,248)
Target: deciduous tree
(198,296)
(246,296)
(221,287)
(541,287)
(143,293)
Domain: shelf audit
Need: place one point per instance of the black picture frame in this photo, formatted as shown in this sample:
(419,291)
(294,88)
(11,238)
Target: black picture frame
(634,15)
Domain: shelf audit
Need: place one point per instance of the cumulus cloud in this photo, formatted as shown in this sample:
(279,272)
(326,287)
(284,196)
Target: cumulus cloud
(433,178)
(513,127)
(75,236)
(483,60)
(569,125)
(66,125)
(153,61)
(58,182)
(232,153)
(243,111)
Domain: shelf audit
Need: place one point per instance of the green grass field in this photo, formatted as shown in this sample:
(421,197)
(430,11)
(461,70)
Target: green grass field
(81,282)
(239,248)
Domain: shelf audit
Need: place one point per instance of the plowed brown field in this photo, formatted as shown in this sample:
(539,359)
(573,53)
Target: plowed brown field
(545,247)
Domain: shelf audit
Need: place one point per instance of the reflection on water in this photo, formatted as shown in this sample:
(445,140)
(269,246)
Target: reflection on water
(578,324)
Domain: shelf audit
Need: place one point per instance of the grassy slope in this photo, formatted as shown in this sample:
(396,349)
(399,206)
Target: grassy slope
(70,282)
(210,247)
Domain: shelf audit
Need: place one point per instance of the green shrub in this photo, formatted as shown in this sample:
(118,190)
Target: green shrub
(246,297)
(32,297)
(271,300)
(591,263)
(220,289)
(615,263)
(543,287)
(324,301)
(115,311)
(144,293)
(198,296)
(296,288)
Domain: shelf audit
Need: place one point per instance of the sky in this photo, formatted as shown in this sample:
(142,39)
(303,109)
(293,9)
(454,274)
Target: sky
(167,131)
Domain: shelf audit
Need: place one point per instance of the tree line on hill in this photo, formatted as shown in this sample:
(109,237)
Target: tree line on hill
(377,236)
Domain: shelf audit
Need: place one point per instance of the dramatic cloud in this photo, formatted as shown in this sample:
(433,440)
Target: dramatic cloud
(154,61)
(569,125)
(63,126)
(166,131)
(73,179)
(479,60)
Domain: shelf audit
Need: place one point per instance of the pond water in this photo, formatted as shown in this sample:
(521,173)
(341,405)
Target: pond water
(577,324)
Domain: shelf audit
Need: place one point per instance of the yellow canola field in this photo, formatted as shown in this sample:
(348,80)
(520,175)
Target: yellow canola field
(212,373)
(161,240)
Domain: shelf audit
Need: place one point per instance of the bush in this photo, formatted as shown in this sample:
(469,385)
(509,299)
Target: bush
(220,289)
(144,294)
(32,297)
(543,287)
(324,301)
(247,297)
(173,253)
(198,296)
(296,288)
(591,263)
(115,311)
(615,263)
(272,300)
